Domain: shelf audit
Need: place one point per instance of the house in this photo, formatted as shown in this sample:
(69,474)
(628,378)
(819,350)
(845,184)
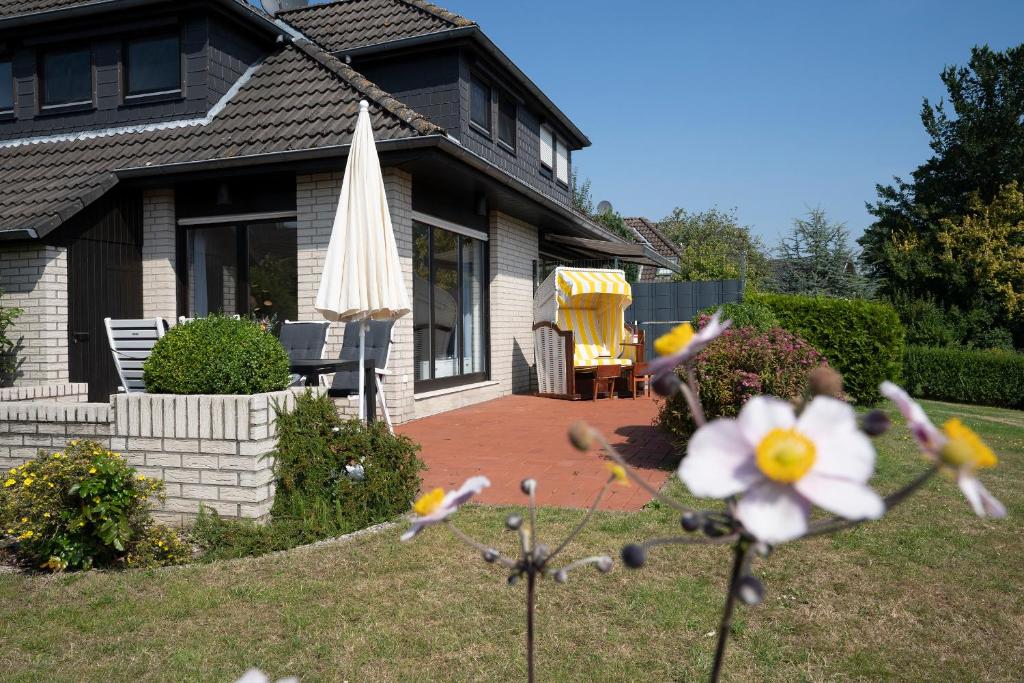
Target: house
(165,158)
(648,233)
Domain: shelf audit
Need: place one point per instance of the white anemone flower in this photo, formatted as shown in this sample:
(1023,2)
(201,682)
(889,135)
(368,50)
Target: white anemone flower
(781,464)
(955,446)
(436,506)
(681,344)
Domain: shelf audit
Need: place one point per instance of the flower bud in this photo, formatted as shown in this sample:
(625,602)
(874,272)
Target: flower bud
(875,423)
(713,529)
(604,564)
(690,521)
(528,486)
(580,436)
(667,385)
(825,381)
(634,556)
(490,555)
(750,590)
(540,552)
(513,522)
(561,576)
(513,579)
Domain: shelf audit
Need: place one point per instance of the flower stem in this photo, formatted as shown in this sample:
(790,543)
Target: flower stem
(531,580)
(692,392)
(739,561)
(473,543)
(633,476)
(583,522)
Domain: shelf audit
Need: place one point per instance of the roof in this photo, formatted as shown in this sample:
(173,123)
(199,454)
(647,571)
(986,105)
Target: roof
(347,24)
(298,98)
(15,7)
(652,235)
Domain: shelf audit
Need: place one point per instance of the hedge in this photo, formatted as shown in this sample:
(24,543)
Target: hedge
(991,378)
(861,339)
(746,314)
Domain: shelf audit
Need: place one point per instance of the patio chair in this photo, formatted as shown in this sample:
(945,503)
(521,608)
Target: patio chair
(303,339)
(378,347)
(579,331)
(131,342)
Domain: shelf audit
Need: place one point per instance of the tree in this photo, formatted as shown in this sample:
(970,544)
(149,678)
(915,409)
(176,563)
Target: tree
(816,259)
(715,246)
(978,148)
(582,200)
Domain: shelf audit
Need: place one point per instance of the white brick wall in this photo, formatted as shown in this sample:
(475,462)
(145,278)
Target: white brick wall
(35,279)
(159,285)
(317,201)
(513,249)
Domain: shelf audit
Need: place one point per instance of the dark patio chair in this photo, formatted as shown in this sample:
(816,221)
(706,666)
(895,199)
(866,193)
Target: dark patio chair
(378,347)
(303,339)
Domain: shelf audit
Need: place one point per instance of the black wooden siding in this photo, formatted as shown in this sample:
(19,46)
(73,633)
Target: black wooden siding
(429,83)
(104,280)
(214,56)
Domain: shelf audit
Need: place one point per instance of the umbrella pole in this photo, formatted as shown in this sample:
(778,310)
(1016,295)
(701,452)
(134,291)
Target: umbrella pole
(362,372)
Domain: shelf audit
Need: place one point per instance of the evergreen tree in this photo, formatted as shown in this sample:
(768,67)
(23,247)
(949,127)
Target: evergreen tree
(816,258)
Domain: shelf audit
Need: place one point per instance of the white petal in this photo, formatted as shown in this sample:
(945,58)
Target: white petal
(983,502)
(845,498)
(762,414)
(927,434)
(773,513)
(719,461)
(253,676)
(841,449)
(471,487)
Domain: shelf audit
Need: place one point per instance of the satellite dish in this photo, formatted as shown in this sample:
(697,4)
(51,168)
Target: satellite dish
(604,207)
(272,7)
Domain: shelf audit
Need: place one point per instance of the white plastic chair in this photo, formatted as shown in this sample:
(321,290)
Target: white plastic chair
(131,342)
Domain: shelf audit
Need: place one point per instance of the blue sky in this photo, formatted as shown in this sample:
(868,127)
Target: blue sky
(764,106)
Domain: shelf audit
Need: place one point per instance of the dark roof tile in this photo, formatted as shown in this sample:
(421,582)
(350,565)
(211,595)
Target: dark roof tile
(347,24)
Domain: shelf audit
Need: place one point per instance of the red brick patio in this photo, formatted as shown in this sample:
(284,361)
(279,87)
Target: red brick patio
(516,437)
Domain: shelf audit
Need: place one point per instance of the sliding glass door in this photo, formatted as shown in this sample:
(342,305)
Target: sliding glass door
(449,308)
(243,268)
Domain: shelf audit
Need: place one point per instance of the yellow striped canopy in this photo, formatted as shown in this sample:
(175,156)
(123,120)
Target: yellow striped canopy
(591,303)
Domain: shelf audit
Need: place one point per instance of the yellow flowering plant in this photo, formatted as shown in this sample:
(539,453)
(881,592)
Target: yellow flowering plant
(83,507)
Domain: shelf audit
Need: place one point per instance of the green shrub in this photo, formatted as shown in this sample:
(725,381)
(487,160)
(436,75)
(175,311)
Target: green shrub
(316,496)
(993,378)
(746,314)
(862,339)
(84,507)
(8,360)
(216,355)
(740,364)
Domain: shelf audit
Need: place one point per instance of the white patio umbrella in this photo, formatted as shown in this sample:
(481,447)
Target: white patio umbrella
(362,278)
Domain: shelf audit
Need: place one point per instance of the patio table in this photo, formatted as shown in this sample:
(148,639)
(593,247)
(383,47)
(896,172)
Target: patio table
(312,368)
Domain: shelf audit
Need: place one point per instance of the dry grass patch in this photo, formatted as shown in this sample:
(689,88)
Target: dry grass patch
(928,593)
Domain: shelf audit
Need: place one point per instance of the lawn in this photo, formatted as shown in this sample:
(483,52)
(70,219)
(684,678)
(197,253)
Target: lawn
(930,592)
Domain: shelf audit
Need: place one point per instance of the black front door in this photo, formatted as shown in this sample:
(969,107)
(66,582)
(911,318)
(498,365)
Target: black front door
(104,281)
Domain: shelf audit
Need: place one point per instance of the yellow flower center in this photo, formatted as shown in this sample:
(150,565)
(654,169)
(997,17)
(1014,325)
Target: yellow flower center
(429,502)
(618,473)
(785,455)
(675,340)
(965,448)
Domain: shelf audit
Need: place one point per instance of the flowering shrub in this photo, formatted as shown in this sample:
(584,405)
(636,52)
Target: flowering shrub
(84,507)
(739,365)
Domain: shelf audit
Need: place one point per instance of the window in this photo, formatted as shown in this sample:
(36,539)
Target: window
(480,103)
(246,268)
(449,294)
(562,161)
(547,147)
(67,77)
(507,120)
(6,87)
(152,65)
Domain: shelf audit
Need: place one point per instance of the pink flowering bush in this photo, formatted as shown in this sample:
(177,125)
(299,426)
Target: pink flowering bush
(739,365)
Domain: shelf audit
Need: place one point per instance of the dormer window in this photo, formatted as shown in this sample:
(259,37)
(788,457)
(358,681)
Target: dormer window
(67,78)
(480,104)
(6,87)
(152,65)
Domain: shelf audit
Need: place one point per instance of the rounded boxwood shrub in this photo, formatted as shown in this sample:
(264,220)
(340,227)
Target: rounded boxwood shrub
(991,378)
(216,355)
(746,314)
(862,339)
(84,507)
(743,363)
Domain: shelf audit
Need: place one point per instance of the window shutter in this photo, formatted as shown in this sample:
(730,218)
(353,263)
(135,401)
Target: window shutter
(563,163)
(547,143)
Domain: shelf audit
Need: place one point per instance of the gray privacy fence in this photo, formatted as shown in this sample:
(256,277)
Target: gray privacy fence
(660,306)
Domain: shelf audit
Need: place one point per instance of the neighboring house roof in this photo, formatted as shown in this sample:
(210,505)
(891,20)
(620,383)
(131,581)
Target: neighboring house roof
(299,98)
(652,235)
(348,24)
